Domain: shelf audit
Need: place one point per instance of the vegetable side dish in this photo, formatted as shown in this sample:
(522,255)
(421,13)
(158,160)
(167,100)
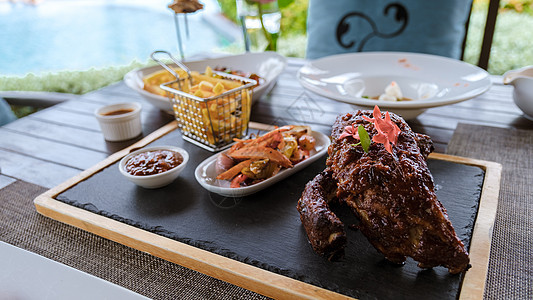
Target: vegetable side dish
(254,160)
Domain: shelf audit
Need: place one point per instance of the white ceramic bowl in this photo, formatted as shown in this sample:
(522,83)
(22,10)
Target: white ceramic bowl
(268,65)
(429,80)
(119,122)
(157,180)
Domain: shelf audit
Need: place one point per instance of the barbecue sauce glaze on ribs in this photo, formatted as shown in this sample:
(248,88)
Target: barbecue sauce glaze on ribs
(392,194)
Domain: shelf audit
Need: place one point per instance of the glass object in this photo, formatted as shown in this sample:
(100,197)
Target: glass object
(260,21)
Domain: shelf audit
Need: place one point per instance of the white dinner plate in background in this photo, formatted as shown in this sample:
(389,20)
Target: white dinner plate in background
(428,80)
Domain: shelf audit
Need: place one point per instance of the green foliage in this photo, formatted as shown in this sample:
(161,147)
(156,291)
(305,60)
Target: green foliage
(293,12)
(22,111)
(229,9)
(284,3)
(293,27)
(521,6)
(294,18)
(512,43)
(74,82)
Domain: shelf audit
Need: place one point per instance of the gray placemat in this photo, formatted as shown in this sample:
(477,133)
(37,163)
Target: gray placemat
(22,226)
(510,274)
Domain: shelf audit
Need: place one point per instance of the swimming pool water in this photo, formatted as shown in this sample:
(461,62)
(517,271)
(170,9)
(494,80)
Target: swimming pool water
(60,35)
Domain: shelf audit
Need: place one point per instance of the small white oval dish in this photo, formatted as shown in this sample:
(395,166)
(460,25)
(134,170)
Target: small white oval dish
(206,174)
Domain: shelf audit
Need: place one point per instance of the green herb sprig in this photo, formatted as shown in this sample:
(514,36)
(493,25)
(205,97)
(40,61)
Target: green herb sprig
(364,138)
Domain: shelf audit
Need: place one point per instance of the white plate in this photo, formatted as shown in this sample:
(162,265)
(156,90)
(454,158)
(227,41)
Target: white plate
(26,275)
(206,174)
(268,65)
(428,80)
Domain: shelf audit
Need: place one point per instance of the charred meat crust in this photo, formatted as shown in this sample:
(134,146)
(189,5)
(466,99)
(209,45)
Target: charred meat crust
(324,229)
(425,144)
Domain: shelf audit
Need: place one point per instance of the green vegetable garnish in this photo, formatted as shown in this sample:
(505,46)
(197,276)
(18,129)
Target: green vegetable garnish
(364,138)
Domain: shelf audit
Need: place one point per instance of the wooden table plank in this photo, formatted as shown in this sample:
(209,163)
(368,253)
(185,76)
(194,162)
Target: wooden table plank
(462,114)
(5,180)
(46,150)
(67,118)
(82,105)
(34,170)
(83,138)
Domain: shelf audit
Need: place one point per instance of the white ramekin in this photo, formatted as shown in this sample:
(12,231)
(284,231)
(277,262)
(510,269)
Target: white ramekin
(120,127)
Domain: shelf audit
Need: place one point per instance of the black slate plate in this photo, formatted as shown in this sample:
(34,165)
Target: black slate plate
(264,229)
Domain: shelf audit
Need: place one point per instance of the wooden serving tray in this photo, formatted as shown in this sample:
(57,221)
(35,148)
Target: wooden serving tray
(168,223)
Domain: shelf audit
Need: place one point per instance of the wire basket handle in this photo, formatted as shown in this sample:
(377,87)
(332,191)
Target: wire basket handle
(177,62)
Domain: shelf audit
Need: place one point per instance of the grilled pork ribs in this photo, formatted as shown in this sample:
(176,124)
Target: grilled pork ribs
(392,194)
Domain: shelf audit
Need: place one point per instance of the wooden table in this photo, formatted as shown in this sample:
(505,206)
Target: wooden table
(53,145)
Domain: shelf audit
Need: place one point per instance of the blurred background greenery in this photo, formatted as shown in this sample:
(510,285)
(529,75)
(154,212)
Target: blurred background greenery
(511,49)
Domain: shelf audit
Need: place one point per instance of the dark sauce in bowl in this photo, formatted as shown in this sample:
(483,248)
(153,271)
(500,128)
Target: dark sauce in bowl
(153,162)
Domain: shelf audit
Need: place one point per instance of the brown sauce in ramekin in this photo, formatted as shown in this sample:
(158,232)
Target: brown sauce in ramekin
(117,112)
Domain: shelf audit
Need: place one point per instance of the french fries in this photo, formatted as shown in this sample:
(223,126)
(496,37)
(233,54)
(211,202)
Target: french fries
(152,81)
(219,118)
(208,83)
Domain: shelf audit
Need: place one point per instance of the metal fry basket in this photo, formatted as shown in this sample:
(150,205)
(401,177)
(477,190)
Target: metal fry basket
(213,122)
